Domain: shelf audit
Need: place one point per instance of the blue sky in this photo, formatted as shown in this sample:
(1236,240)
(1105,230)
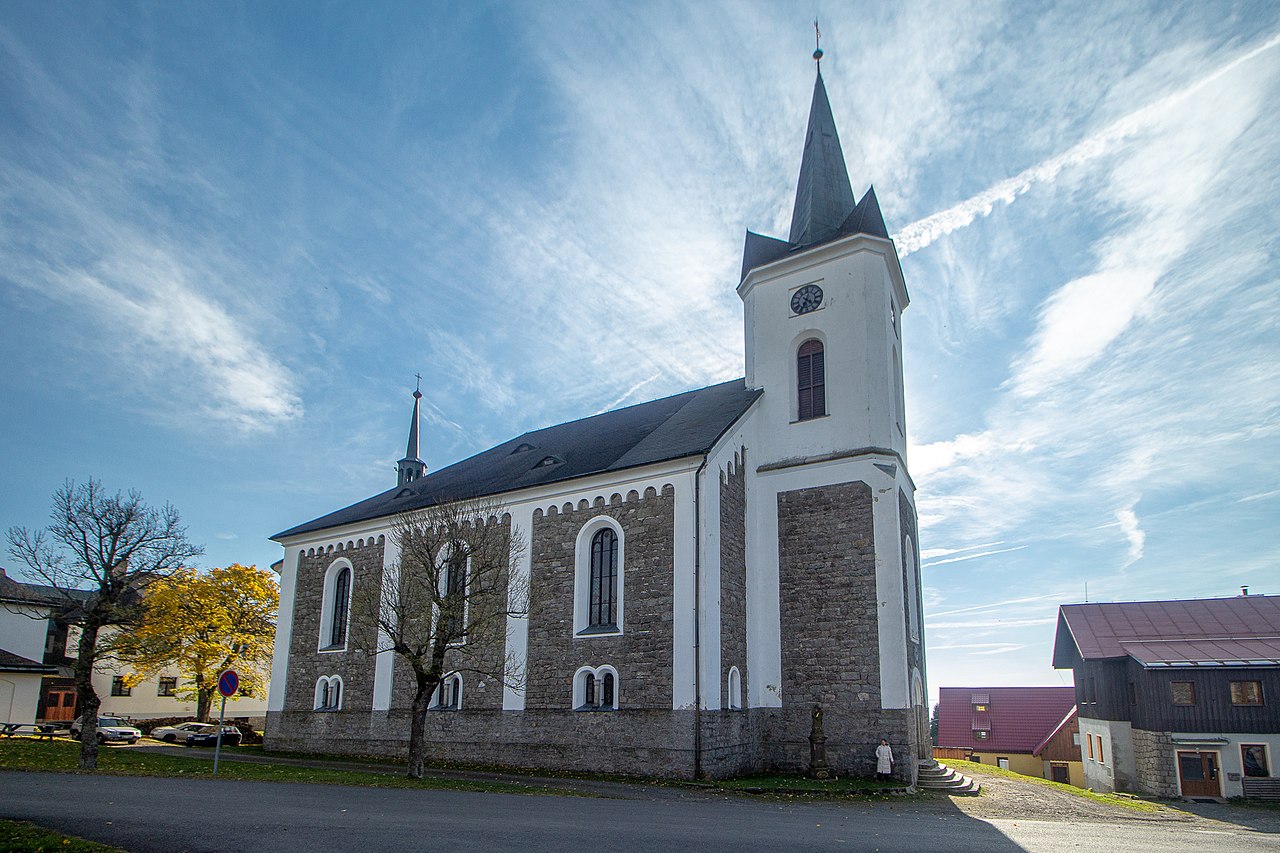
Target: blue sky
(231,235)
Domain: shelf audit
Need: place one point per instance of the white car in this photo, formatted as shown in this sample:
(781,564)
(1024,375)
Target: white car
(178,733)
(110,728)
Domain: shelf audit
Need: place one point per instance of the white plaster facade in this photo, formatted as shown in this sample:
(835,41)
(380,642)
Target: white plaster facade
(22,632)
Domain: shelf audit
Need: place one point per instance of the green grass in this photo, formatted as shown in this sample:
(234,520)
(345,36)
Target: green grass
(19,753)
(1124,801)
(20,837)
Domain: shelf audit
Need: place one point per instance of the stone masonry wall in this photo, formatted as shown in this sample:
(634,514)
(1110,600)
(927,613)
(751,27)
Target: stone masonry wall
(642,654)
(733,575)
(1154,766)
(830,633)
(306,662)
(481,660)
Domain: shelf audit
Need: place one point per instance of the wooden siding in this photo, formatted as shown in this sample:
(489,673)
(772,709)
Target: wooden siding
(1123,690)
(1062,746)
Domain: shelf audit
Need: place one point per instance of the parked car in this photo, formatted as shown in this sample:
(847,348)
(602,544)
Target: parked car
(110,728)
(178,733)
(230,737)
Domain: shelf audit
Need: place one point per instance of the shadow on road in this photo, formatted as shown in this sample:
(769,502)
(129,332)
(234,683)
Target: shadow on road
(1260,817)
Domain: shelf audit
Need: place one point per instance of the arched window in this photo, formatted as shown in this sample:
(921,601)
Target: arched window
(453,591)
(734,689)
(604,580)
(595,689)
(598,584)
(329,693)
(811,381)
(341,596)
(335,606)
(448,696)
(913,595)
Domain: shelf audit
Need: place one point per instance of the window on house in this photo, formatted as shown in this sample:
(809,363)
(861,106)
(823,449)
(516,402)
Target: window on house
(1184,692)
(329,693)
(448,696)
(811,381)
(1254,757)
(599,588)
(1075,738)
(1246,693)
(168,686)
(595,689)
(981,734)
(118,687)
(1089,739)
(978,706)
(1101,759)
(341,596)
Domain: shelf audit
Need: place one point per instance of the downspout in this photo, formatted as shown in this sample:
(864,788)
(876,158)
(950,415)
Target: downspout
(697,618)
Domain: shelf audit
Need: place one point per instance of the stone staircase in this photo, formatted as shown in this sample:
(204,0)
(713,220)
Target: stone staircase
(933,776)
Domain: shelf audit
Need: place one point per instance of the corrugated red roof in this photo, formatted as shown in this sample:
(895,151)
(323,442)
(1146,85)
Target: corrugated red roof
(1224,630)
(1017,719)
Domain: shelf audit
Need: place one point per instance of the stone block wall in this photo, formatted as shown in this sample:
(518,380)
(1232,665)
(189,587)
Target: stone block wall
(306,662)
(1154,769)
(830,633)
(642,654)
(733,575)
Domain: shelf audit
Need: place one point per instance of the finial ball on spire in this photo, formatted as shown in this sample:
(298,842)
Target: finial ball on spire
(817,55)
(817,42)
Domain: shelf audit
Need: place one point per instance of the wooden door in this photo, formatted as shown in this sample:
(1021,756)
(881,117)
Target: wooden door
(1198,772)
(60,705)
(1061,773)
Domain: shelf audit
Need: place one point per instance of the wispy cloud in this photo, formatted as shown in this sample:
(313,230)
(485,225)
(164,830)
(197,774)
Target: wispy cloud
(1133,532)
(972,556)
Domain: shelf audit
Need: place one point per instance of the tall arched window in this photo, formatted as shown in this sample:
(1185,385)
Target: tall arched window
(453,585)
(341,598)
(811,381)
(604,579)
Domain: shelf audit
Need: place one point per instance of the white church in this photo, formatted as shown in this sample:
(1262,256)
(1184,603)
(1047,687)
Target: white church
(702,570)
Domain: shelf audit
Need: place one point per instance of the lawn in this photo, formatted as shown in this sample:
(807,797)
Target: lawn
(1125,801)
(18,836)
(19,753)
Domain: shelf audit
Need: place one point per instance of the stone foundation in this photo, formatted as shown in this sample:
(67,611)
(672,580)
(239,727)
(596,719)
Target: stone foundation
(1155,770)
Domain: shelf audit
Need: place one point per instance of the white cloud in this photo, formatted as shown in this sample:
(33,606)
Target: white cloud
(1133,533)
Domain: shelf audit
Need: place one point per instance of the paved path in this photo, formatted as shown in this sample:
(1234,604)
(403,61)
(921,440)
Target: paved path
(143,814)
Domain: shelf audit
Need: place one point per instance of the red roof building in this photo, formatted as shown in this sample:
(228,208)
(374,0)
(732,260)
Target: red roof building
(1001,719)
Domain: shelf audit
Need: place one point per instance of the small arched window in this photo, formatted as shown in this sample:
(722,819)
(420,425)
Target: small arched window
(734,689)
(335,606)
(595,689)
(449,694)
(811,381)
(604,579)
(329,693)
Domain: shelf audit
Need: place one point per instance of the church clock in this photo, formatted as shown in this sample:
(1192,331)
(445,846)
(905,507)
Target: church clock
(806,299)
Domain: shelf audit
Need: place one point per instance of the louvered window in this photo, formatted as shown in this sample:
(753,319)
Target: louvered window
(341,592)
(811,381)
(604,579)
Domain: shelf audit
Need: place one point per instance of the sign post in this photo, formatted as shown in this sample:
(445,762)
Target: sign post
(228,684)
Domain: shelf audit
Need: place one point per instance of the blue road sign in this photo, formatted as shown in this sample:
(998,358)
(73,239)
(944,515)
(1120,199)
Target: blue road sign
(229,683)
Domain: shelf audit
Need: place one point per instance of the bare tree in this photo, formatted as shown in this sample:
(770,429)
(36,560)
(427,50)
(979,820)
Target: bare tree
(443,607)
(112,547)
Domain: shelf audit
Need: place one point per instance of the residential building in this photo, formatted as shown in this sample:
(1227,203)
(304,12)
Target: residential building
(22,643)
(1176,698)
(1029,730)
(718,562)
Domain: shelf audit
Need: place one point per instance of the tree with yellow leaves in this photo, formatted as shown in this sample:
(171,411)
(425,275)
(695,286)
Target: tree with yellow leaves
(202,624)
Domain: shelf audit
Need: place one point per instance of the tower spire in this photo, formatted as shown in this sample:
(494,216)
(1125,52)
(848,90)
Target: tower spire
(824,198)
(411,467)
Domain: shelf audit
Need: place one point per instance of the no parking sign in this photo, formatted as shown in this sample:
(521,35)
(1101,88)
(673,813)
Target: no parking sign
(228,683)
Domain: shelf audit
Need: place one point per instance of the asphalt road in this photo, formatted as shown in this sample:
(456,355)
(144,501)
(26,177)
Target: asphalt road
(164,814)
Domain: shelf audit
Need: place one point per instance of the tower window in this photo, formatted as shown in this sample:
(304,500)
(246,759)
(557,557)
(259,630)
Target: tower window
(811,381)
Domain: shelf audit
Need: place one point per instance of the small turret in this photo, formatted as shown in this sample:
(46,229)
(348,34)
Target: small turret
(411,467)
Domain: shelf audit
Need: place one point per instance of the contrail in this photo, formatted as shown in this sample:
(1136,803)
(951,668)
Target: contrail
(922,232)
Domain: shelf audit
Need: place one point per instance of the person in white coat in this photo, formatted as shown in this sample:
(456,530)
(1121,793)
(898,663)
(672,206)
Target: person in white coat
(884,761)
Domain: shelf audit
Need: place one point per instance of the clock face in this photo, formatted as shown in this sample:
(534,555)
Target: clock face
(806,299)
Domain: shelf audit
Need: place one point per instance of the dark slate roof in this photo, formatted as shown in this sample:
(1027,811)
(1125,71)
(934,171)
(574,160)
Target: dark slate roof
(675,427)
(1244,630)
(9,662)
(823,196)
(1017,719)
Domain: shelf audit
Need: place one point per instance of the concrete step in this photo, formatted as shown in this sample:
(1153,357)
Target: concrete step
(933,776)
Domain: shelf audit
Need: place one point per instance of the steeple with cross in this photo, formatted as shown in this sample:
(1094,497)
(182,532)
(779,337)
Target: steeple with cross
(411,467)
